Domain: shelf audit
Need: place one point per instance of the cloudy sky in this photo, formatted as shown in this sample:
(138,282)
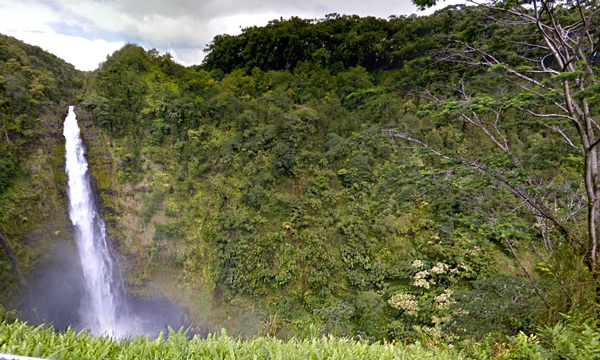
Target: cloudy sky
(84,32)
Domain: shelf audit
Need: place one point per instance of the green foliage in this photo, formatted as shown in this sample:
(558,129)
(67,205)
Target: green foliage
(35,89)
(336,42)
(313,214)
(496,305)
(357,170)
(29,77)
(557,342)
(119,81)
(159,130)
(523,347)
(19,338)
(572,341)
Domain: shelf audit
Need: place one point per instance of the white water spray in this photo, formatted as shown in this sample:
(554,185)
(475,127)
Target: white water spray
(103,308)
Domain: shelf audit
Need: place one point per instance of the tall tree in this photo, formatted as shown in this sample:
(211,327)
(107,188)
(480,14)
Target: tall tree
(548,51)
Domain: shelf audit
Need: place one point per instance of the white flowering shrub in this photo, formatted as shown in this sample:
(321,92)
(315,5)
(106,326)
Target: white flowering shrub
(439,268)
(406,303)
(417,264)
(420,280)
(426,304)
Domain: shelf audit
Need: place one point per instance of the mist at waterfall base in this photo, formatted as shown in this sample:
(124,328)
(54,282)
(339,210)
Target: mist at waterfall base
(57,293)
(82,287)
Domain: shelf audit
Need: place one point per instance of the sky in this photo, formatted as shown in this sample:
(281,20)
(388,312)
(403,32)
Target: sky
(84,32)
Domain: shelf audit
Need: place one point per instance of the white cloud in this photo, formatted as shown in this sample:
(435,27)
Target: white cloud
(233,24)
(83,53)
(24,16)
(163,30)
(187,56)
(31,22)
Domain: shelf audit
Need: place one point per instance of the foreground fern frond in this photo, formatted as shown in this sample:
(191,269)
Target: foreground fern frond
(21,339)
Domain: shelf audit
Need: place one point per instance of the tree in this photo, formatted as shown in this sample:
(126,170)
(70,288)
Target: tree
(546,54)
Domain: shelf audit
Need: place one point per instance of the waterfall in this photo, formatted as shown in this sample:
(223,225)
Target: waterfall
(103,309)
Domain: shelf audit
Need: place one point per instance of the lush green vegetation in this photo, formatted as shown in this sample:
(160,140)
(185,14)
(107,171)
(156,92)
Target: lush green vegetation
(336,42)
(401,179)
(558,342)
(286,188)
(32,84)
(18,338)
(30,77)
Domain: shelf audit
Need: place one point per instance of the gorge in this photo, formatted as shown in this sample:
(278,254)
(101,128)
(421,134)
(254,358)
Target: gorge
(335,188)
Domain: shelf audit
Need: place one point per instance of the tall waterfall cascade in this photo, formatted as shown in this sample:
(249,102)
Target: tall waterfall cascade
(103,307)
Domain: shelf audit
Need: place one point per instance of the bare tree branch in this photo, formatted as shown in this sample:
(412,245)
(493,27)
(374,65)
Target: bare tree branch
(394,133)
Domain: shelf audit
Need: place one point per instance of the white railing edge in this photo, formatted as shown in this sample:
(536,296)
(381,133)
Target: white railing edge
(17,357)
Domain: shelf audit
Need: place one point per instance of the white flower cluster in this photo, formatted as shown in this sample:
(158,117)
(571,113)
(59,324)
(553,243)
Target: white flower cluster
(439,268)
(444,299)
(439,321)
(417,263)
(420,280)
(406,302)
(425,278)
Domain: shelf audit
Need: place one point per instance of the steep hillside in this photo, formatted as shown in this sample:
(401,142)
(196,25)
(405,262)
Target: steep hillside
(277,197)
(35,88)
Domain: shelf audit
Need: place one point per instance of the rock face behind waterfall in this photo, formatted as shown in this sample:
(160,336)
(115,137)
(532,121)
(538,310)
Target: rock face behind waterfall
(37,227)
(103,304)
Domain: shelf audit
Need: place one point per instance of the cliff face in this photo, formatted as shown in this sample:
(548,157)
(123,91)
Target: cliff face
(119,199)
(34,206)
(125,197)
(35,89)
